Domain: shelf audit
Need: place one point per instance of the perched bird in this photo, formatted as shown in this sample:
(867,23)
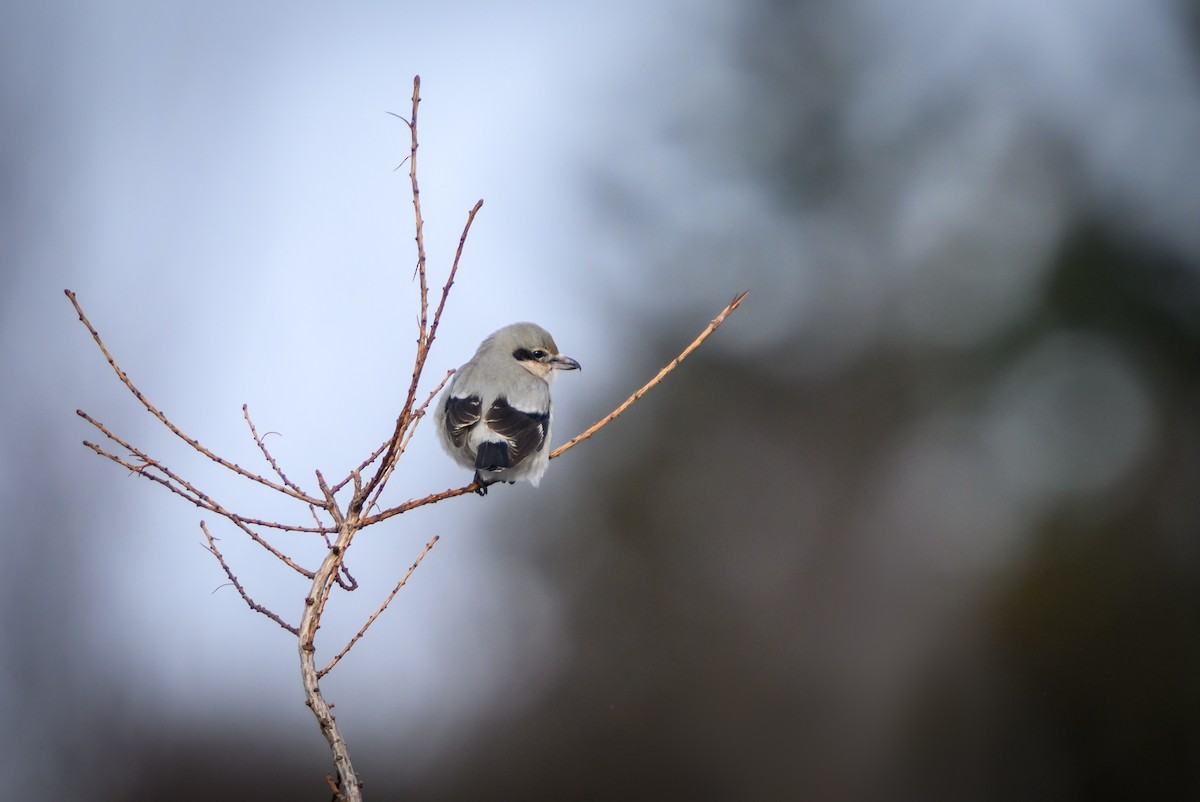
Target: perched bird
(495,416)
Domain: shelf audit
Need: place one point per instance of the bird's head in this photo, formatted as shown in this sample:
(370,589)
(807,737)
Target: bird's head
(533,349)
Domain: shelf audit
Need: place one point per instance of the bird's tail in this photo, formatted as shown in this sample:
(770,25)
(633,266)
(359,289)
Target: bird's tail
(492,456)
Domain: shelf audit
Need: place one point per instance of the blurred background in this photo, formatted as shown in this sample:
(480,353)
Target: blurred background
(922,521)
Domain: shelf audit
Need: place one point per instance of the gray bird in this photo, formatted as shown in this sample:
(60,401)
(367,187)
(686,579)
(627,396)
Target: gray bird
(495,416)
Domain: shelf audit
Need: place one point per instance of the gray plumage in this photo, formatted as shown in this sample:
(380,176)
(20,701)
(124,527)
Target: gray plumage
(495,416)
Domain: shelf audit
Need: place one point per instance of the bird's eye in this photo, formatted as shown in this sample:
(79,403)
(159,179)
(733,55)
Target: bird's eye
(539,354)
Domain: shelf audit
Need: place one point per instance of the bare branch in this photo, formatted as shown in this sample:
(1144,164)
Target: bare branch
(191,441)
(192,494)
(349,584)
(267,454)
(258,608)
(432,498)
(417,415)
(427,333)
(202,501)
(314,607)
(662,374)
(378,612)
(362,466)
(418,220)
(462,240)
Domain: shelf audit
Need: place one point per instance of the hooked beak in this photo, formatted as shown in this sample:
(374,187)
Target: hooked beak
(561,362)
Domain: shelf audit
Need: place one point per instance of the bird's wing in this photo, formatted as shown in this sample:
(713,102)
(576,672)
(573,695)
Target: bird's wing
(461,415)
(524,432)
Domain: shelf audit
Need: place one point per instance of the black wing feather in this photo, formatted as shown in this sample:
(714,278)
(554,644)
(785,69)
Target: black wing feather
(524,431)
(461,415)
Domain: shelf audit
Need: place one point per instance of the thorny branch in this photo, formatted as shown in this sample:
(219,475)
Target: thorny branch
(342,518)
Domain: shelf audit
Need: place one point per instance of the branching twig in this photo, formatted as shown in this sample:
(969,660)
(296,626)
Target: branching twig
(406,413)
(432,498)
(153,410)
(462,240)
(258,608)
(399,450)
(379,611)
(314,607)
(197,497)
(610,417)
(267,454)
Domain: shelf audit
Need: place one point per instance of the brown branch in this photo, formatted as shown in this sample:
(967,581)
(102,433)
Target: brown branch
(362,466)
(426,332)
(332,783)
(417,415)
(462,240)
(191,441)
(267,454)
(406,414)
(314,607)
(203,501)
(432,498)
(258,608)
(402,420)
(349,584)
(384,445)
(419,221)
(196,497)
(378,612)
(662,374)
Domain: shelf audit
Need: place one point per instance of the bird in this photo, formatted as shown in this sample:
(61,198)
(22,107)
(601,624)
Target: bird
(495,415)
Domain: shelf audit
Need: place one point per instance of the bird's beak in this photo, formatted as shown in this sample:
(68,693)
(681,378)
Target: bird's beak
(561,362)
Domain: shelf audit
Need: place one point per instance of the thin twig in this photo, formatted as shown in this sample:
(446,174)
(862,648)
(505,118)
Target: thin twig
(462,240)
(267,454)
(418,219)
(258,608)
(417,415)
(384,445)
(364,464)
(378,612)
(349,584)
(197,497)
(202,500)
(427,333)
(402,420)
(610,417)
(153,410)
(432,498)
